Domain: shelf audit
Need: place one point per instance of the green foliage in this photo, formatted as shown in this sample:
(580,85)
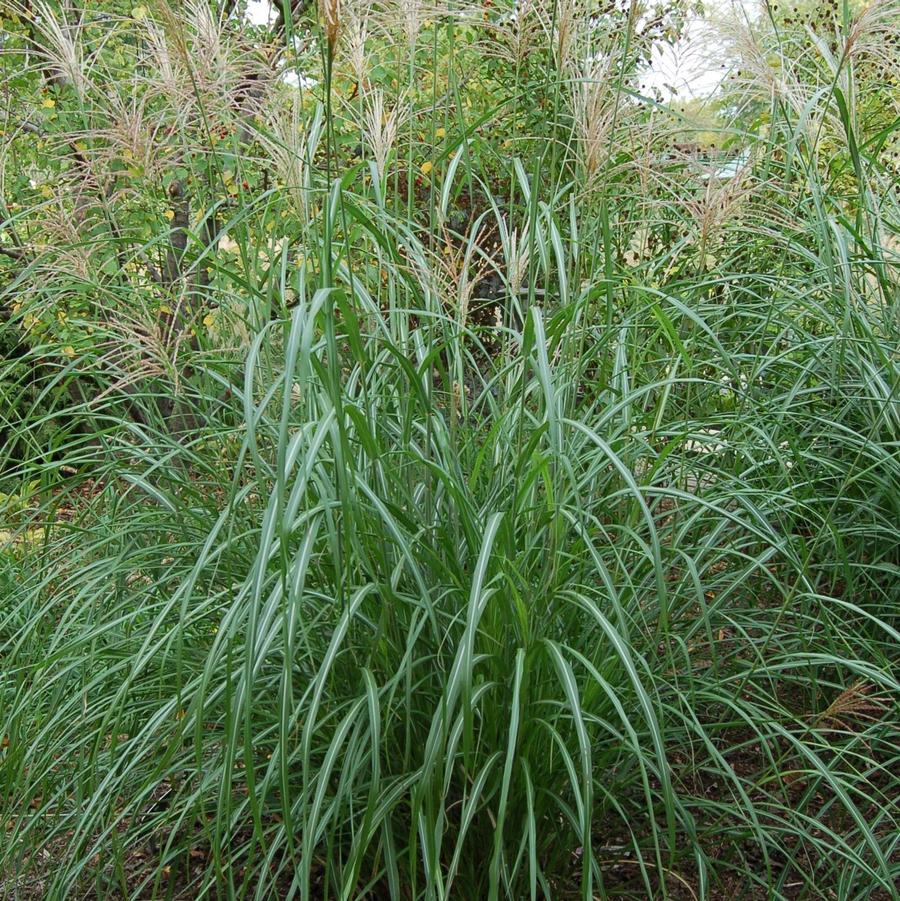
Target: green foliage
(458,487)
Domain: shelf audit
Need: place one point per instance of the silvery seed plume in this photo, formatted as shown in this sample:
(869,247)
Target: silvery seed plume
(291,145)
(61,47)
(765,71)
(169,75)
(381,127)
(409,17)
(518,254)
(873,42)
(594,109)
(562,20)
(355,37)
(211,59)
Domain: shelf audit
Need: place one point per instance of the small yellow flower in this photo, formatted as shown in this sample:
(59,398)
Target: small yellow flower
(440,132)
(81,147)
(69,351)
(46,192)
(169,214)
(48,103)
(427,166)
(208,320)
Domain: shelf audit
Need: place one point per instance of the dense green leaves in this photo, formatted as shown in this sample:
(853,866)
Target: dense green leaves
(519,525)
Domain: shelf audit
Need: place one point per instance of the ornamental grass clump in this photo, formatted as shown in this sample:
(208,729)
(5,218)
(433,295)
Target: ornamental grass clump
(433,470)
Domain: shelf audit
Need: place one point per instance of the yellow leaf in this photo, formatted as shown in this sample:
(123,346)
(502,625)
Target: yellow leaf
(81,147)
(208,320)
(427,166)
(169,214)
(48,103)
(139,12)
(69,351)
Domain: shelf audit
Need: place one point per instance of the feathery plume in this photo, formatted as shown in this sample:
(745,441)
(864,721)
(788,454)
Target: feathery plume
(381,127)
(356,35)
(60,46)
(593,102)
(291,146)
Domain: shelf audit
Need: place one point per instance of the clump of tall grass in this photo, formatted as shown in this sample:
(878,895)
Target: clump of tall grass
(427,515)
